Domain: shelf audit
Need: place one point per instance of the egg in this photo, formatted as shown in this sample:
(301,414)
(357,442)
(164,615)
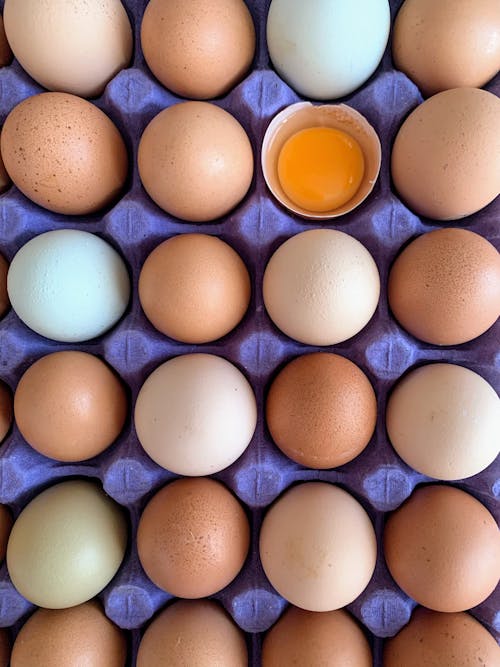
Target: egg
(4,648)
(444,288)
(444,421)
(442,546)
(81,635)
(74,47)
(195,161)
(331,638)
(5,50)
(5,181)
(434,639)
(70,406)
(66,545)
(5,410)
(320,161)
(5,528)
(194,632)
(321,287)
(194,288)
(64,153)
(68,285)
(447,44)
(193,537)
(198,48)
(321,410)
(4,297)
(445,160)
(340,49)
(195,414)
(318,547)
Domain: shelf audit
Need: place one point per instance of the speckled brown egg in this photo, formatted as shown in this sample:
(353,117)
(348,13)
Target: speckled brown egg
(442,546)
(330,638)
(434,639)
(447,44)
(5,528)
(193,632)
(70,406)
(5,50)
(5,410)
(193,537)
(4,297)
(64,153)
(445,159)
(444,288)
(198,48)
(194,288)
(321,410)
(4,648)
(195,161)
(81,635)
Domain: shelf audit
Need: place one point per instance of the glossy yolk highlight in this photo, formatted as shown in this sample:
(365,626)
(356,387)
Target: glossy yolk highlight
(320,168)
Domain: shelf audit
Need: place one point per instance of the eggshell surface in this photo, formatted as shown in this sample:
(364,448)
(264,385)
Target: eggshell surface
(75,47)
(318,547)
(197,632)
(195,414)
(81,635)
(442,546)
(66,545)
(445,160)
(64,153)
(5,410)
(68,285)
(193,538)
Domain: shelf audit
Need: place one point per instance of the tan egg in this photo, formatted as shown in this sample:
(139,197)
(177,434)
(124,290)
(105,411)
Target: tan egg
(74,47)
(4,297)
(64,153)
(444,421)
(198,48)
(434,639)
(5,410)
(5,528)
(194,288)
(5,50)
(66,545)
(442,546)
(4,648)
(4,176)
(70,406)
(82,635)
(195,161)
(444,288)
(330,639)
(318,547)
(194,632)
(193,537)
(445,159)
(447,44)
(321,410)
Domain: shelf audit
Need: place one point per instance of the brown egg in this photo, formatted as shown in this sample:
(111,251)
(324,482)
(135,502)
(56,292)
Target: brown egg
(4,176)
(321,410)
(445,160)
(4,297)
(193,537)
(198,48)
(447,44)
(4,648)
(81,635)
(434,639)
(5,528)
(70,406)
(331,638)
(194,632)
(64,153)
(442,547)
(194,288)
(5,51)
(5,410)
(444,288)
(195,161)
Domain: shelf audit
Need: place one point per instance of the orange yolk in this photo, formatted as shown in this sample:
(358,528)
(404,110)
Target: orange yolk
(320,168)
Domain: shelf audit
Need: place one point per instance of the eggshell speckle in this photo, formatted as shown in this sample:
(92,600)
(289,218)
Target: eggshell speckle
(81,635)
(195,632)
(6,411)
(64,153)
(442,546)
(193,537)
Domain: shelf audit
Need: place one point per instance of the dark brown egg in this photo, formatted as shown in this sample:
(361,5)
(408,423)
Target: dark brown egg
(5,410)
(5,528)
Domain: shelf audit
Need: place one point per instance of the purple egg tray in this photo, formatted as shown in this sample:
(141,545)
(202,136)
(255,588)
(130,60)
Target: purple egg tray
(134,226)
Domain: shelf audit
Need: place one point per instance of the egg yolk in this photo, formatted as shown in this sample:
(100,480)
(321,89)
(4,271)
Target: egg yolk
(320,168)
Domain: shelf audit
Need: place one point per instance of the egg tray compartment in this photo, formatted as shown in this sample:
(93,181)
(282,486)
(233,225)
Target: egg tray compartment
(134,225)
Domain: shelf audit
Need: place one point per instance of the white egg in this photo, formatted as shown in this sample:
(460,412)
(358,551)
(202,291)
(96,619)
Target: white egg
(325,49)
(68,285)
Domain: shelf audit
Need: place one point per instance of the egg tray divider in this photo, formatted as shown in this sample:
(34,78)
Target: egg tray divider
(134,226)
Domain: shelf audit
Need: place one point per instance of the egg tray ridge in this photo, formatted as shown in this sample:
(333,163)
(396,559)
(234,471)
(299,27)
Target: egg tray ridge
(135,225)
